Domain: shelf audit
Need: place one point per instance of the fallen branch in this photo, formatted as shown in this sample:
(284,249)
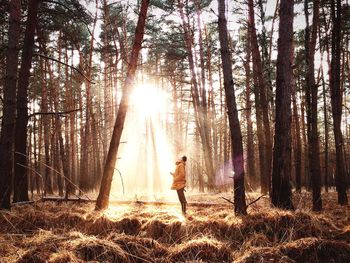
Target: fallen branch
(23,203)
(252,202)
(62,199)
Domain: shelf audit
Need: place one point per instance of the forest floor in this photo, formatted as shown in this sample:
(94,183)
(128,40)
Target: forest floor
(137,232)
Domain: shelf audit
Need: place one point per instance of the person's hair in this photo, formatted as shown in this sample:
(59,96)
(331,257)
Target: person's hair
(184,158)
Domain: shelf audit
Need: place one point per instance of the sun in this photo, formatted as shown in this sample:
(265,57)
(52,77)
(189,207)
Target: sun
(149,100)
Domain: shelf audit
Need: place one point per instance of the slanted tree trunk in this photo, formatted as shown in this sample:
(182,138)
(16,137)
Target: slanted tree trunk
(281,188)
(21,162)
(106,182)
(311,99)
(9,108)
(336,101)
(235,129)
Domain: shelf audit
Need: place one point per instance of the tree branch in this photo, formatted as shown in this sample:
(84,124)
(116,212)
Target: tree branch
(53,113)
(56,60)
(256,200)
(228,200)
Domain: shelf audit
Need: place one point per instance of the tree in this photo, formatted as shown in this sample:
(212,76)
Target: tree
(261,104)
(9,109)
(336,100)
(20,164)
(235,129)
(106,182)
(199,105)
(281,188)
(311,97)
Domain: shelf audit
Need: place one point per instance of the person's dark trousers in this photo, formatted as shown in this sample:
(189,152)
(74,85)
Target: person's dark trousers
(182,198)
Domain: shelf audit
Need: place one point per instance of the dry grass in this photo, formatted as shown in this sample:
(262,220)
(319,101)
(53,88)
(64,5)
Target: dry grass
(50,232)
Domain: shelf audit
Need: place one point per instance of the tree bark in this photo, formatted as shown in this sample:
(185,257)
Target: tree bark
(251,171)
(200,108)
(9,108)
(106,182)
(311,98)
(21,162)
(281,188)
(336,101)
(262,100)
(235,129)
(297,144)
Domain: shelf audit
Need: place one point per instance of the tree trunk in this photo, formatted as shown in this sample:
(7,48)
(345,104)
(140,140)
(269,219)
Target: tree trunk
(326,135)
(336,101)
(21,162)
(297,144)
(235,129)
(9,108)
(311,99)
(262,100)
(281,188)
(106,182)
(199,108)
(251,171)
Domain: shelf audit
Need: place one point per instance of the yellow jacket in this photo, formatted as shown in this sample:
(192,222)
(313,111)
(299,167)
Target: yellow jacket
(179,175)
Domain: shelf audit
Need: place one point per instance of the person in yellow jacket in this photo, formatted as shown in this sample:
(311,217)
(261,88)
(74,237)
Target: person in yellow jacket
(179,182)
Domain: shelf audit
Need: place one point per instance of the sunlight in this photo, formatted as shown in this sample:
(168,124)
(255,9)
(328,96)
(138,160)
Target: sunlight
(116,212)
(149,100)
(146,156)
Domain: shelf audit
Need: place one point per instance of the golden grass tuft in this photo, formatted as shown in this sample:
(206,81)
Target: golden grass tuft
(140,249)
(207,249)
(317,250)
(92,248)
(262,254)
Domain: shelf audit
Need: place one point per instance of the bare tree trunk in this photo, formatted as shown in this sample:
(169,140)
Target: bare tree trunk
(311,97)
(336,101)
(45,119)
(251,171)
(235,129)
(9,109)
(106,183)
(262,100)
(297,143)
(281,188)
(199,108)
(21,162)
(326,135)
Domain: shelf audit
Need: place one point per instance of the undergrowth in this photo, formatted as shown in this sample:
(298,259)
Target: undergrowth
(67,232)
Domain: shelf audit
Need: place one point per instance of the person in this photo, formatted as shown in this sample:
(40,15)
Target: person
(179,182)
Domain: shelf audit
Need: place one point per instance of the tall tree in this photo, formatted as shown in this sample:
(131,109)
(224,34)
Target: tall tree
(235,129)
(9,109)
(265,142)
(336,100)
(20,186)
(251,171)
(281,171)
(311,97)
(200,106)
(106,182)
